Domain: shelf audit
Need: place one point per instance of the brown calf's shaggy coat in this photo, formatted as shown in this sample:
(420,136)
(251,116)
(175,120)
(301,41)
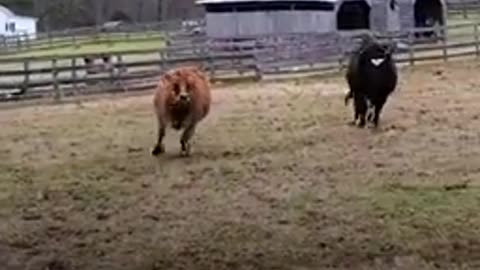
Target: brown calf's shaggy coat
(182,99)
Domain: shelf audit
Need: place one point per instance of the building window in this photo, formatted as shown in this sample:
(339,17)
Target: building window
(10,27)
(353,15)
(393,4)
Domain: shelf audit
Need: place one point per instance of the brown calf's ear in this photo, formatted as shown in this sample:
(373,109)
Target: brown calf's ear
(168,76)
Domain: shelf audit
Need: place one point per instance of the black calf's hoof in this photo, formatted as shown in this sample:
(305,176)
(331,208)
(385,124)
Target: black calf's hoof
(185,150)
(159,149)
(352,123)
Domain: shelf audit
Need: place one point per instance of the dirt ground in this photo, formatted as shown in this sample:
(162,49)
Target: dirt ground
(277,180)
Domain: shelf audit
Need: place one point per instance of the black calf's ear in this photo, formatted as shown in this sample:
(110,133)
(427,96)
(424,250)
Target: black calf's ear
(390,48)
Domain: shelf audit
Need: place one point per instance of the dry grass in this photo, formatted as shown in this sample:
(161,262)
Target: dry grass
(277,180)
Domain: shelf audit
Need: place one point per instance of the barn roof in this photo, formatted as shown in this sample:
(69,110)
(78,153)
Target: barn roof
(10,14)
(6,11)
(203,2)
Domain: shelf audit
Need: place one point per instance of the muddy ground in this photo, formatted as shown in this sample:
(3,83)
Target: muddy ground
(277,180)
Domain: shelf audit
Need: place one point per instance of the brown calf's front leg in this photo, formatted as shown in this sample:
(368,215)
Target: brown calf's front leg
(185,140)
(159,147)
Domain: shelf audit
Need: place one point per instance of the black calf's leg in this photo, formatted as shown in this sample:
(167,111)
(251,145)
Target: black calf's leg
(185,140)
(378,109)
(360,109)
(159,147)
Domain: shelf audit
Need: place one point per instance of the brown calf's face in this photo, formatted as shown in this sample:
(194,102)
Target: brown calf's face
(181,93)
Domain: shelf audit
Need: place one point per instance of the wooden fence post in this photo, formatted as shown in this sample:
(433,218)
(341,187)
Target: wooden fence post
(444,45)
(74,75)
(464,9)
(50,39)
(19,42)
(4,43)
(257,66)
(411,47)
(163,63)
(167,39)
(109,39)
(27,40)
(475,33)
(26,79)
(111,71)
(121,70)
(120,66)
(56,85)
(210,64)
(342,51)
(76,45)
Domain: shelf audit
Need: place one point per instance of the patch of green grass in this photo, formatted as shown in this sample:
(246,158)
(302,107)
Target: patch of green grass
(430,221)
(98,44)
(453,19)
(410,204)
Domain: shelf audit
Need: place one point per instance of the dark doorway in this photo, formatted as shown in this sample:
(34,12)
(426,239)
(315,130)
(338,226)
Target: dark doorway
(428,13)
(353,15)
(120,16)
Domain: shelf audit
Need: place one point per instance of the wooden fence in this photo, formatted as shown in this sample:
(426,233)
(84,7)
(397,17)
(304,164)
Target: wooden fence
(255,57)
(463,7)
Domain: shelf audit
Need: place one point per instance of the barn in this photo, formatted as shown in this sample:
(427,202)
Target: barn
(235,18)
(12,24)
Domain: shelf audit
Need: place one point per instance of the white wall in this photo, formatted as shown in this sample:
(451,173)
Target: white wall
(12,25)
(224,25)
(3,20)
(393,18)
(23,26)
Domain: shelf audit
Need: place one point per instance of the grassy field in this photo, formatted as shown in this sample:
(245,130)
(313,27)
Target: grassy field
(277,180)
(459,18)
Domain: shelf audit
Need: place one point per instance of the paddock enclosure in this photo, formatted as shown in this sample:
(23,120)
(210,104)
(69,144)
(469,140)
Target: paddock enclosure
(277,180)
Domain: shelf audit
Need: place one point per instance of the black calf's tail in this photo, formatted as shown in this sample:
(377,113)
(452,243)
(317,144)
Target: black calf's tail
(348,97)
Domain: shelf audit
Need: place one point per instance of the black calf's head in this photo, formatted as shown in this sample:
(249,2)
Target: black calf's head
(377,54)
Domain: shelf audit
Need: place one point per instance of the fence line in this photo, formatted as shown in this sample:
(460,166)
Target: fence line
(82,36)
(57,78)
(463,7)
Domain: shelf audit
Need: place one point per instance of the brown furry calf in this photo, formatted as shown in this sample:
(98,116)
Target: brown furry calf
(181,99)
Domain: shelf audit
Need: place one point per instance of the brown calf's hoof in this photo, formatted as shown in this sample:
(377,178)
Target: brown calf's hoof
(159,149)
